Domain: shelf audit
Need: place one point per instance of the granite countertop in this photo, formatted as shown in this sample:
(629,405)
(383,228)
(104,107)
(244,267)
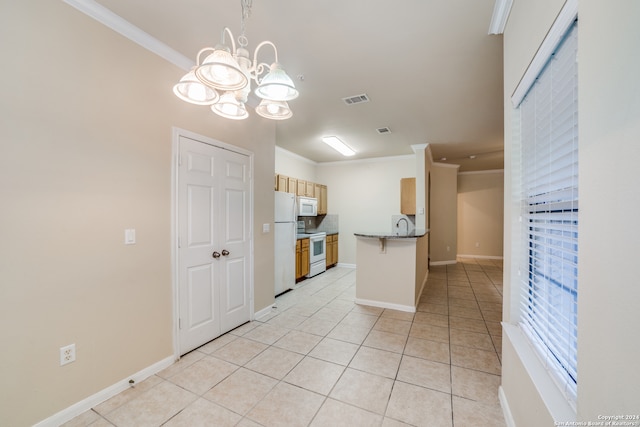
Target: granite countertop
(420,232)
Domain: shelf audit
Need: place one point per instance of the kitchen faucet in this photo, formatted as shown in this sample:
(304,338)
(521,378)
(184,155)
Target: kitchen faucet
(406,223)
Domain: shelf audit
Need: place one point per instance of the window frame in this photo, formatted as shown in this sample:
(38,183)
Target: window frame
(561,367)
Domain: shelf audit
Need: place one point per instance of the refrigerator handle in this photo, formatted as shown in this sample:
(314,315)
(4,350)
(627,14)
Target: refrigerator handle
(295,209)
(293,233)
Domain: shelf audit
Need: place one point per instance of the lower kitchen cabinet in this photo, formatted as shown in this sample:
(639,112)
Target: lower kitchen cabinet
(332,250)
(302,258)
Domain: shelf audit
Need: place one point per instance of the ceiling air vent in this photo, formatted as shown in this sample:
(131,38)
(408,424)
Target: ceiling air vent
(357,99)
(383,130)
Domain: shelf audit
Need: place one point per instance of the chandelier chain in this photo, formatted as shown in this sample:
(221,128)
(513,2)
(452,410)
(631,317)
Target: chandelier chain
(246,13)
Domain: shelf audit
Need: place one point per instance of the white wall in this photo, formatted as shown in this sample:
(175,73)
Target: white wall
(609,129)
(295,166)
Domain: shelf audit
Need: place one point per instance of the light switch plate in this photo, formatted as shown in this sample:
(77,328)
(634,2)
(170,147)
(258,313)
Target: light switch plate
(266,228)
(130,236)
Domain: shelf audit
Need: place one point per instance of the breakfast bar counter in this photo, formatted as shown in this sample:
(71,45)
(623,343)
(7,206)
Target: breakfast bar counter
(392,268)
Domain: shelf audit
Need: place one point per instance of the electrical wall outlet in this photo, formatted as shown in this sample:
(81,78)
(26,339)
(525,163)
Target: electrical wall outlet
(67,354)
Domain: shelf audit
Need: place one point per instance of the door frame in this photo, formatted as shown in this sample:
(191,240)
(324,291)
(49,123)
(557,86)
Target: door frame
(176,134)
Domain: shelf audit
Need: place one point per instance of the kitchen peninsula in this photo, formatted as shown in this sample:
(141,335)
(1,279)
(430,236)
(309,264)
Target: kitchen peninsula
(392,268)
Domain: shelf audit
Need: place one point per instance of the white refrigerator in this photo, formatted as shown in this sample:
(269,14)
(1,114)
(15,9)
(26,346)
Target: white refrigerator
(285,241)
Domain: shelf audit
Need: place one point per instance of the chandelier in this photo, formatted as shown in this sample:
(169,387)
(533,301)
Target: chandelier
(223,79)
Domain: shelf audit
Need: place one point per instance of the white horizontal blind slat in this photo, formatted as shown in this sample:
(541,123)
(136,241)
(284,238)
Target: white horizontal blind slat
(549,181)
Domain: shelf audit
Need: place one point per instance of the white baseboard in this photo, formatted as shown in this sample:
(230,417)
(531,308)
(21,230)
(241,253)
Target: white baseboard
(399,307)
(258,314)
(345,265)
(480,256)
(449,262)
(103,395)
(506,411)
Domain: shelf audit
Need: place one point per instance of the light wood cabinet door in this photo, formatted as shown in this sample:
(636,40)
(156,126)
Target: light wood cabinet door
(321,194)
(310,189)
(335,249)
(408,196)
(292,185)
(304,259)
(298,259)
(302,187)
(332,250)
(282,183)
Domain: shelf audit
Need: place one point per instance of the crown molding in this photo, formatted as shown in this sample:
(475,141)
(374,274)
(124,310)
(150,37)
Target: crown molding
(130,31)
(484,172)
(446,165)
(501,10)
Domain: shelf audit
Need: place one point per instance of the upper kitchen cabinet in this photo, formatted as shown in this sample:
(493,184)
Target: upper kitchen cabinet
(300,187)
(408,196)
(306,188)
(286,184)
(292,185)
(310,189)
(282,183)
(321,195)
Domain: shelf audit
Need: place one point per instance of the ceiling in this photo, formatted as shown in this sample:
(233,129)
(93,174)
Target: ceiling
(430,70)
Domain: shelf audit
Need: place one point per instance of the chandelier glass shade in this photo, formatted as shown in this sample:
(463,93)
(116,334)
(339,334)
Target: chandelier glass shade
(229,71)
(229,107)
(220,70)
(190,89)
(276,85)
(274,110)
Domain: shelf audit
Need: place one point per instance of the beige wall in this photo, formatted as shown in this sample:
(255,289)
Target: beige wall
(609,109)
(391,273)
(609,129)
(422,266)
(387,278)
(86,121)
(443,213)
(480,213)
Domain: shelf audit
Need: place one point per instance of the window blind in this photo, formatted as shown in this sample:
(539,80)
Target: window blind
(548,118)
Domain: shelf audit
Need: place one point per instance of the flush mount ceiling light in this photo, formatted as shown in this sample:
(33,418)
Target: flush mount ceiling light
(229,70)
(338,145)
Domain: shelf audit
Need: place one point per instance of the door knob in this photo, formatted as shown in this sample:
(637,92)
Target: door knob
(216,254)
(225,252)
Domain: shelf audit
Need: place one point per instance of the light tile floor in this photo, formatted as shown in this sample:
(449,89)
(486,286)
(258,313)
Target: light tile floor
(318,359)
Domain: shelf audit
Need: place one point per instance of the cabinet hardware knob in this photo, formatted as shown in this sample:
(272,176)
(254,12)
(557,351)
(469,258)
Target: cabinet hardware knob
(225,252)
(216,254)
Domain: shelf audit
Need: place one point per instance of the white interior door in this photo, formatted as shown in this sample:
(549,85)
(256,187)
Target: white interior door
(213,242)
(234,241)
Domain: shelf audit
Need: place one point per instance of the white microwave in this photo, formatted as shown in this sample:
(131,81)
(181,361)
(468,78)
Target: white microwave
(307,206)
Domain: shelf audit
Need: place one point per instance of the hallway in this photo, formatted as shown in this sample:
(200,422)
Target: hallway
(318,359)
